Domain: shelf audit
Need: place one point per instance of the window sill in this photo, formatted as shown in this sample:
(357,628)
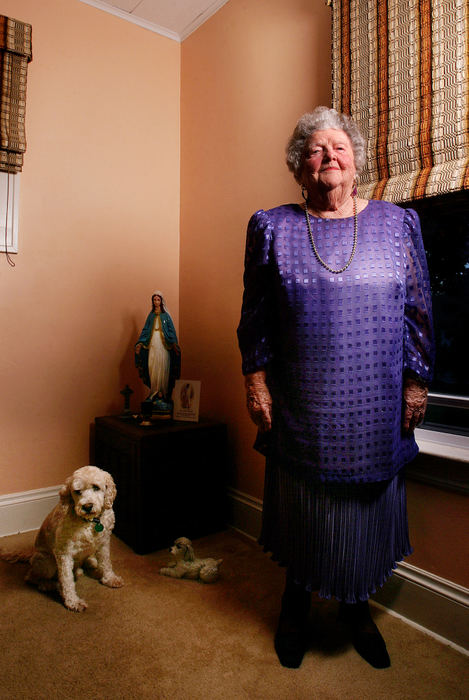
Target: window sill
(446,445)
(442,461)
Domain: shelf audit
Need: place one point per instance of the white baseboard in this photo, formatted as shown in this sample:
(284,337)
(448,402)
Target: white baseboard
(22,512)
(435,605)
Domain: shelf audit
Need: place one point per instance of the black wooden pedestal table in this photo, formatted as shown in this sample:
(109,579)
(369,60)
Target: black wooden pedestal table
(170,478)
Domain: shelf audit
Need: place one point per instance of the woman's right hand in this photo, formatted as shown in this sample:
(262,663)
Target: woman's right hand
(259,400)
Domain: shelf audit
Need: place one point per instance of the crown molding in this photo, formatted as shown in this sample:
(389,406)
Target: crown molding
(202,18)
(156,28)
(151,26)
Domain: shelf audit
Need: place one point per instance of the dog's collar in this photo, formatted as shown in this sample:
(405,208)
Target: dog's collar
(99,527)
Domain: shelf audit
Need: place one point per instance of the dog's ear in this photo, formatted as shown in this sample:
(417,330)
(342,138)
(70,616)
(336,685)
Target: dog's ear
(111,491)
(65,492)
(189,553)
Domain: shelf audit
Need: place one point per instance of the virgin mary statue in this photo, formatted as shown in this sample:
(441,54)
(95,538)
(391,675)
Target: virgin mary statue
(157,353)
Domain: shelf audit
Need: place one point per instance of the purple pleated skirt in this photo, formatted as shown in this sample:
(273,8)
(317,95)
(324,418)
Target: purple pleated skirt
(342,540)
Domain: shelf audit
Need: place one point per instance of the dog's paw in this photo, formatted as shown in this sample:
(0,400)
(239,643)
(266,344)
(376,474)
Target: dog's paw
(113,581)
(75,605)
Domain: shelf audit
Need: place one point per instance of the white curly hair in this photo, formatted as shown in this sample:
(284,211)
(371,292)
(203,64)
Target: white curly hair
(319,119)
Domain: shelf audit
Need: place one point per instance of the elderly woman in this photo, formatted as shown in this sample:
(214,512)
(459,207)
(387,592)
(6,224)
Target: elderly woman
(157,353)
(337,348)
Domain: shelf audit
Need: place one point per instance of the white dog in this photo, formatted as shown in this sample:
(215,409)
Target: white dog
(75,535)
(188,566)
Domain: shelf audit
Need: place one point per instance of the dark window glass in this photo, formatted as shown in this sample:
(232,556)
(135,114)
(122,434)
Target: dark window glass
(445,230)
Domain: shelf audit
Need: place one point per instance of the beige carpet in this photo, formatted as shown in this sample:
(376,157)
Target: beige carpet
(164,638)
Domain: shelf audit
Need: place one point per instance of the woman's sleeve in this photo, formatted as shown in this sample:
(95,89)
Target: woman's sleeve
(254,330)
(419,348)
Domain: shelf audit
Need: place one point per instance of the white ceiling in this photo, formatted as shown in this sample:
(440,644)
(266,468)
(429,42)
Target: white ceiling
(175,19)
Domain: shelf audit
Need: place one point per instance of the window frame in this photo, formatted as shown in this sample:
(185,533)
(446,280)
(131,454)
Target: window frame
(9,182)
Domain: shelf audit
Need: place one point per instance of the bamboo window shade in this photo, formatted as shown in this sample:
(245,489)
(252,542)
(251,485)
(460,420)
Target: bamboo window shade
(400,69)
(15,54)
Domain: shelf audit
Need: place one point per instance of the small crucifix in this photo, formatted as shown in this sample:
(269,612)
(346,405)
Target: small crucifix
(127,393)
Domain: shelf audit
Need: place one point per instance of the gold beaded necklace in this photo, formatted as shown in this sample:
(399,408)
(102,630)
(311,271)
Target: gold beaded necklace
(355,239)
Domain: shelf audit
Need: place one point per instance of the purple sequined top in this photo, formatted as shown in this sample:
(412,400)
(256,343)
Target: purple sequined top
(336,346)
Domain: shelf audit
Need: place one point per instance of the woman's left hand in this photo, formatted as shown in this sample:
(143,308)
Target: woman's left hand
(259,400)
(415,403)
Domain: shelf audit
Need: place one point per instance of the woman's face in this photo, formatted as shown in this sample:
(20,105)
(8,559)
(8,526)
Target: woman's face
(329,161)
(156,302)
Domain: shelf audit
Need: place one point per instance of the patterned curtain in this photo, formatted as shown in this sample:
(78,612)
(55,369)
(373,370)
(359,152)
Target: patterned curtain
(15,54)
(400,68)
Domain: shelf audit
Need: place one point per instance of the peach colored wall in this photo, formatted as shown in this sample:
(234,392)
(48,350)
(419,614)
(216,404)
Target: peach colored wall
(247,75)
(99,230)
(439,526)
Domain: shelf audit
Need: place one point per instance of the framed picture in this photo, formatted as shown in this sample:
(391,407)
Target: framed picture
(186,399)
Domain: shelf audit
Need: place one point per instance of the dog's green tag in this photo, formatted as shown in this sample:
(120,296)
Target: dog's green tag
(99,527)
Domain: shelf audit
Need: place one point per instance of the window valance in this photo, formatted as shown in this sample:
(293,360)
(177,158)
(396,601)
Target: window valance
(15,54)
(400,68)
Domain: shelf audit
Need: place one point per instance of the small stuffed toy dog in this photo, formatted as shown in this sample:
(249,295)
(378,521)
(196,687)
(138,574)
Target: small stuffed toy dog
(188,566)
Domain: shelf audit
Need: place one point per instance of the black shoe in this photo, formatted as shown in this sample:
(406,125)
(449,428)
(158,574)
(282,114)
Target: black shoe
(290,641)
(291,638)
(371,647)
(366,637)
